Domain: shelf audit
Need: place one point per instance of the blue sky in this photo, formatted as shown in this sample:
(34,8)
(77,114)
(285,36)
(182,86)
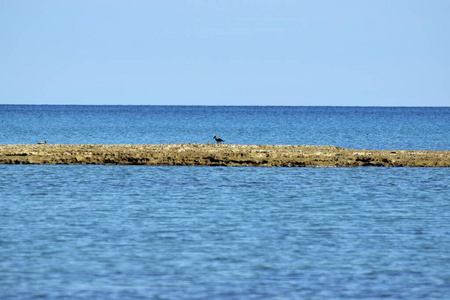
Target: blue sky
(245,52)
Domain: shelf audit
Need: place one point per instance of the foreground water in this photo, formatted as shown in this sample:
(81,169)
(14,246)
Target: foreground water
(134,232)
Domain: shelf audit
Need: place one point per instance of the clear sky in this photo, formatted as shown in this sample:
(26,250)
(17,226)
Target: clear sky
(225,52)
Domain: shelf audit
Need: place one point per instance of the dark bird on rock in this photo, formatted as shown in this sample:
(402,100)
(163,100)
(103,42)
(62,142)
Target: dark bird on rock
(42,143)
(218,139)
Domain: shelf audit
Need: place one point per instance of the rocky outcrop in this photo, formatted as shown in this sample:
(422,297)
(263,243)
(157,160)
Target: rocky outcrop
(220,155)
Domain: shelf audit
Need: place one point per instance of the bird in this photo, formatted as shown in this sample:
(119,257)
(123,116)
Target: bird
(218,139)
(42,143)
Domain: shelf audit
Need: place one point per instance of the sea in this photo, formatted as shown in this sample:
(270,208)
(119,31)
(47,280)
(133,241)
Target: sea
(178,232)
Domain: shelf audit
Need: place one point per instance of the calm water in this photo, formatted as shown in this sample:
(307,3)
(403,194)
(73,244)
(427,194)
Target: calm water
(137,232)
(349,127)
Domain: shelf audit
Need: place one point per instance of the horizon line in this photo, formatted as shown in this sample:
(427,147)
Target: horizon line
(222,105)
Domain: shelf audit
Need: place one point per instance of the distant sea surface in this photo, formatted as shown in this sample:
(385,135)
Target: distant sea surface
(409,128)
(149,232)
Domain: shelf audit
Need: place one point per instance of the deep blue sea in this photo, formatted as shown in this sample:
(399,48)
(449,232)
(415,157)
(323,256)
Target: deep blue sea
(148,232)
(349,127)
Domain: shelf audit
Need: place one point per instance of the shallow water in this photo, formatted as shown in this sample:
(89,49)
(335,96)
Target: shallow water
(133,232)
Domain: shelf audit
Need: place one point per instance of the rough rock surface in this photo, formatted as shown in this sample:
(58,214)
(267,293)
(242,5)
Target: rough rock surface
(220,155)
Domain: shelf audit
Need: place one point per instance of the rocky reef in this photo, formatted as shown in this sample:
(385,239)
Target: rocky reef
(220,155)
